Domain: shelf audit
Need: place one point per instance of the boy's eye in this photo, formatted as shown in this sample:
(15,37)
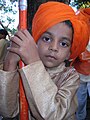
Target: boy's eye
(46,39)
(64,44)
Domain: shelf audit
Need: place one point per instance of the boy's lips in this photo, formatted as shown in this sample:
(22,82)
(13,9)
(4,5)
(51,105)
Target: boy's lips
(51,57)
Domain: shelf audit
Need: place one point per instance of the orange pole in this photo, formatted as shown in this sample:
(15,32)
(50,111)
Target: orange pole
(23,25)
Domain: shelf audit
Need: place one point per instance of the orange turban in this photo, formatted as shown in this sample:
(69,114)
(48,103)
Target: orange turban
(51,13)
(84,14)
(82,64)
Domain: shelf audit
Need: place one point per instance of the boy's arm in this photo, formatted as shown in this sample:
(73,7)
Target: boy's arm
(53,103)
(9,86)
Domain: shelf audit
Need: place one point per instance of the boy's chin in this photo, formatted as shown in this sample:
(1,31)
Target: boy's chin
(51,65)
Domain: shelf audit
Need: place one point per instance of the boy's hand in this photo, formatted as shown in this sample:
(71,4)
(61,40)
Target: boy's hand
(11,60)
(26,47)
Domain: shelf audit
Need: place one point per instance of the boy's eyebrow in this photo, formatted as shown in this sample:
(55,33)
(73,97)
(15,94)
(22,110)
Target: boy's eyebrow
(66,38)
(47,33)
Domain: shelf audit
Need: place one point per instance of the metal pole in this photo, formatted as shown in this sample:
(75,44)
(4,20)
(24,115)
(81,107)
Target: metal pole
(23,25)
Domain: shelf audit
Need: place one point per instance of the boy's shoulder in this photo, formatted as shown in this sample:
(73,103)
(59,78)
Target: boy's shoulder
(69,71)
(68,74)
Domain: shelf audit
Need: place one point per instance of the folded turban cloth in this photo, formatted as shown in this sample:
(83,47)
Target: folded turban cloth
(82,64)
(84,14)
(51,13)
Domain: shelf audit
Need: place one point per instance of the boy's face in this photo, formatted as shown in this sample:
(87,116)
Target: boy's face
(54,45)
(2,36)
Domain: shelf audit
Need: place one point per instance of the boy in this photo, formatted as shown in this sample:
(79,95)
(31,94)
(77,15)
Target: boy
(4,43)
(50,86)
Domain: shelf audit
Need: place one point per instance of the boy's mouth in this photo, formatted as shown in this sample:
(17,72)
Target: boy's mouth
(51,57)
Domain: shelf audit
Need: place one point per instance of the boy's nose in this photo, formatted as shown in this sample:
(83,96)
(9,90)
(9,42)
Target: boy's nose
(53,46)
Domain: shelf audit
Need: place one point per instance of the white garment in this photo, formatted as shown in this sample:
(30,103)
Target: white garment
(84,78)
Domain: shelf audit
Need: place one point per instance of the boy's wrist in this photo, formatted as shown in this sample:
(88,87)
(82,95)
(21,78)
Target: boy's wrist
(9,65)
